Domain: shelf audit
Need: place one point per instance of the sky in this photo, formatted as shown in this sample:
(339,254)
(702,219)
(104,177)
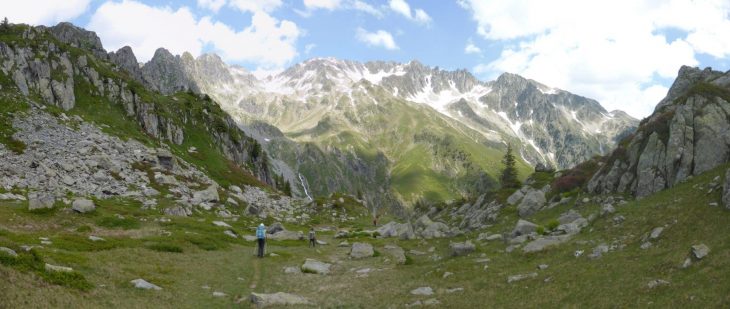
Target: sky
(623,53)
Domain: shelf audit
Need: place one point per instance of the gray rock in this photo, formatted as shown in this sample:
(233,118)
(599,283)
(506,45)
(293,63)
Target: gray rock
(221,224)
(515,197)
(219,294)
(316,267)
(394,229)
(656,232)
(361,250)
(645,245)
(607,209)
(542,266)
(95,238)
(462,248)
(287,235)
(569,217)
(275,227)
(178,211)
(82,205)
(292,270)
(687,263)
(533,201)
(520,277)
(428,229)
(8,251)
(424,291)
(278,299)
(40,201)
(523,227)
(541,244)
(700,251)
(657,283)
(598,251)
(55,268)
(144,285)
(208,195)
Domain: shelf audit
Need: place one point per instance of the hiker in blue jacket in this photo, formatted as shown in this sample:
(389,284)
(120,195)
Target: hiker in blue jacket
(261,237)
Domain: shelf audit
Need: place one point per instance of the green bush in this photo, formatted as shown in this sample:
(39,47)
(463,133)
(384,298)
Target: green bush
(83,229)
(118,223)
(165,248)
(541,230)
(553,224)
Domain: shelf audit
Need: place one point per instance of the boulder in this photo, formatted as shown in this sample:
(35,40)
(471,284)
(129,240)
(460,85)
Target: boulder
(361,250)
(287,235)
(533,201)
(523,227)
(540,244)
(395,229)
(424,290)
(40,201)
(598,251)
(726,190)
(278,299)
(657,283)
(178,211)
(165,159)
(429,229)
(397,253)
(144,285)
(569,217)
(515,197)
(521,277)
(607,209)
(208,195)
(83,205)
(544,168)
(700,251)
(276,227)
(8,251)
(656,232)
(462,248)
(316,267)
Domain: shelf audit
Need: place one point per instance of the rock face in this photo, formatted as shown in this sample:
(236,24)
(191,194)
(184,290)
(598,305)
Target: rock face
(316,267)
(83,205)
(476,215)
(166,73)
(688,134)
(278,299)
(726,190)
(361,250)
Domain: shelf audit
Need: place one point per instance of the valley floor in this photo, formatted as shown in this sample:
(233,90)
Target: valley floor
(190,259)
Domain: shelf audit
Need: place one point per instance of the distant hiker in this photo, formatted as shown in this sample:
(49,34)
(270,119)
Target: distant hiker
(312,238)
(261,237)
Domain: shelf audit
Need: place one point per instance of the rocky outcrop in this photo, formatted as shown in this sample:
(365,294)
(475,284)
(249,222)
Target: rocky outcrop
(477,215)
(165,73)
(688,134)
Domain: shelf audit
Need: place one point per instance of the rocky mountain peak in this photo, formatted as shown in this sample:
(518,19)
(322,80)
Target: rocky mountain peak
(125,59)
(166,73)
(68,33)
(686,78)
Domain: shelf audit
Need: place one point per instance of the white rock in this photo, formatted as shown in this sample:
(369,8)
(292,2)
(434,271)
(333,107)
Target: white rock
(425,290)
(55,268)
(143,284)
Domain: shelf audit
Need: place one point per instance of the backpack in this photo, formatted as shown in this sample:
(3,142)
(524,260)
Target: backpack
(311,235)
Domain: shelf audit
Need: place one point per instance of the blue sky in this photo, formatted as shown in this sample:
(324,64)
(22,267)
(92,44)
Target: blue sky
(624,53)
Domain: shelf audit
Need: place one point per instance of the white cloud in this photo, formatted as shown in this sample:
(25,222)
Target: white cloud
(255,6)
(471,48)
(42,12)
(613,51)
(367,8)
(322,4)
(266,42)
(379,38)
(402,7)
(213,5)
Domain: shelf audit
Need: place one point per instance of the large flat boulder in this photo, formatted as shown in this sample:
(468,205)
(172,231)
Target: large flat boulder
(316,267)
(533,201)
(361,250)
(40,201)
(395,229)
(540,244)
(82,205)
(523,227)
(462,248)
(278,299)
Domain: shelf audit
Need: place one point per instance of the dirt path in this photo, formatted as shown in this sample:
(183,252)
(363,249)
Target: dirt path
(256,273)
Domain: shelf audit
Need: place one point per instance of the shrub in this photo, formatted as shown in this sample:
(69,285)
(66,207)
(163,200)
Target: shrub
(165,248)
(540,230)
(83,229)
(117,222)
(553,224)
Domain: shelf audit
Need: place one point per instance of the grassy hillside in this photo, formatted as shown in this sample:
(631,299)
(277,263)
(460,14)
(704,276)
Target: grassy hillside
(190,258)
